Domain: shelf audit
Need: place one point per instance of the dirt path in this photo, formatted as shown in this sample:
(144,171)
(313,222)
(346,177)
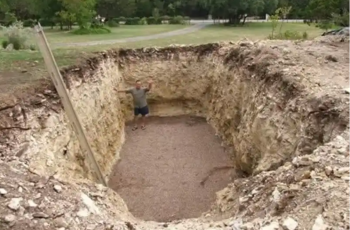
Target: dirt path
(161,169)
(135,39)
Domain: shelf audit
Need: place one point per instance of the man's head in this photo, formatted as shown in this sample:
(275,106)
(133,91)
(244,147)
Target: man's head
(138,84)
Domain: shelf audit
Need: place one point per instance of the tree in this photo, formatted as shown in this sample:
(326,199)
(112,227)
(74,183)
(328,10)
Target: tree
(283,12)
(235,10)
(84,10)
(143,8)
(116,8)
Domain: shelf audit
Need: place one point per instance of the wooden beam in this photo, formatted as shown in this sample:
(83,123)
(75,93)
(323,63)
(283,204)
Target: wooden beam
(56,77)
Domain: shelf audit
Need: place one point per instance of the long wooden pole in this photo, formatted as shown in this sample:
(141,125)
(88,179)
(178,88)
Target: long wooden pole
(56,77)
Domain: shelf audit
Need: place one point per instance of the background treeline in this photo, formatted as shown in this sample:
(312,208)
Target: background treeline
(83,12)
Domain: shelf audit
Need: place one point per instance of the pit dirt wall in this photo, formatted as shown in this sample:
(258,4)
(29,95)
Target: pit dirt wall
(263,110)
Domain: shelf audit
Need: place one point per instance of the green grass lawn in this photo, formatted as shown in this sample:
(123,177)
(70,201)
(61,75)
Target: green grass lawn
(57,36)
(32,62)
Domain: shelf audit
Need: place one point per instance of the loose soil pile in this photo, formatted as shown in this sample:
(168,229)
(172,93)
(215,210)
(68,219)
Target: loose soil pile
(281,106)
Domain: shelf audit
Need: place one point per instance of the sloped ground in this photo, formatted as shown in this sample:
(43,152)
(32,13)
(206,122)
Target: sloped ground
(281,105)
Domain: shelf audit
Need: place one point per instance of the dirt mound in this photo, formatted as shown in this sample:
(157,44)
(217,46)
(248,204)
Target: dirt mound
(280,105)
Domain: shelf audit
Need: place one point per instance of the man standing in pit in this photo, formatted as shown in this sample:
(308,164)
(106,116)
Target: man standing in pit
(140,102)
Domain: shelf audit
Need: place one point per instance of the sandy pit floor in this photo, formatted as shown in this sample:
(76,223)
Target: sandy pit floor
(172,169)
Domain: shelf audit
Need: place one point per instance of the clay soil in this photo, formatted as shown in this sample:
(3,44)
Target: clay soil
(161,169)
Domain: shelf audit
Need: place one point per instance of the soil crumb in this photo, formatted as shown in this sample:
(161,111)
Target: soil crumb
(161,168)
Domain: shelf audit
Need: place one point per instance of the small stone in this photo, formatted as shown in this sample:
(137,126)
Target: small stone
(15,203)
(90,204)
(302,175)
(20,189)
(328,170)
(290,224)
(32,204)
(83,213)
(271,226)
(319,224)
(243,199)
(49,163)
(9,218)
(57,188)
(341,171)
(60,222)
(294,187)
(247,226)
(37,196)
(40,215)
(3,191)
(276,196)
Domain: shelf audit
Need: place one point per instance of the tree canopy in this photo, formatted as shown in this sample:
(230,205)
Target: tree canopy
(81,11)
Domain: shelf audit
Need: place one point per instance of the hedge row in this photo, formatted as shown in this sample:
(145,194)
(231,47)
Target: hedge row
(149,20)
(116,21)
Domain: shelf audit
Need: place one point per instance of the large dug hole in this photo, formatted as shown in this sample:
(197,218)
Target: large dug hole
(254,96)
(171,170)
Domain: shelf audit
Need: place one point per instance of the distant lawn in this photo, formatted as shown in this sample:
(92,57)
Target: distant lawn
(32,63)
(217,33)
(58,36)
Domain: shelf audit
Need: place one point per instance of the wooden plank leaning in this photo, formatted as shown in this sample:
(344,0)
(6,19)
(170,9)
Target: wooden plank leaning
(66,102)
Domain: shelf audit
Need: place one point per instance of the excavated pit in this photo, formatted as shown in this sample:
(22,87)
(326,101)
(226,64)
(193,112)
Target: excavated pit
(264,111)
(171,170)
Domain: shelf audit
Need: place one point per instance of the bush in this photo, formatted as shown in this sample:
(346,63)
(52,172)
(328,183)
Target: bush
(187,20)
(325,25)
(341,19)
(113,22)
(17,35)
(154,21)
(121,19)
(4,44)
(290,35)
(165,18)
(305,35)
(29,23)
(177,20)
(83,31)
(9,19)
(46,22)
(143,21)
(132,21)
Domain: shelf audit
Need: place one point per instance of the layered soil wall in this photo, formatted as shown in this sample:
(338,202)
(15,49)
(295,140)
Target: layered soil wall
(280,105)
(258,108)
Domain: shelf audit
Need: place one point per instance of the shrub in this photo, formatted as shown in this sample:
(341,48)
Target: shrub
(132,21)
(121,19)
(9,19)
(4,44)
(29,23)
(305,35)
(187,19)
(46,22)
(325,25)
(153,21)
(341,19)
(177,20)
(83,31)
(17,35)
(113,22)
(143,21)
(165,18)
(290,35)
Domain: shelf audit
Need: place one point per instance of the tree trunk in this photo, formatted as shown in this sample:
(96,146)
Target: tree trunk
(245,18)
